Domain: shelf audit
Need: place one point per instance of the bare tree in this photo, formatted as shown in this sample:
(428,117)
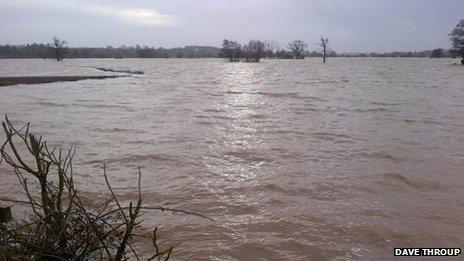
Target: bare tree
(457,40)
(231,50)
(271,48)
(59,48)
(298,48)
(325,45)
(254,51)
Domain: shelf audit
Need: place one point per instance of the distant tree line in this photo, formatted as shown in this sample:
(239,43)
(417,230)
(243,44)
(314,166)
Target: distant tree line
(436,53)
(36,50)
(271,51)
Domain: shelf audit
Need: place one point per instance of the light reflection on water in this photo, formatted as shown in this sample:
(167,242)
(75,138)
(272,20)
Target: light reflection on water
(294,159)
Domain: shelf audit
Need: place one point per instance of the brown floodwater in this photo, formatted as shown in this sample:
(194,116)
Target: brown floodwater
(295,160)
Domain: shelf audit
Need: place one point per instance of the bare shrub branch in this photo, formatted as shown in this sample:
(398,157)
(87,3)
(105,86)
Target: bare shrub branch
(61,226)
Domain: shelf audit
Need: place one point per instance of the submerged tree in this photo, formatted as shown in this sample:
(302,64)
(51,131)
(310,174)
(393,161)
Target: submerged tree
(59,48)
(457,40)
(145,52)
(298,48)
(437,53)
(271,48)
(254,51)
(283,54)
(231,50)
(325,45)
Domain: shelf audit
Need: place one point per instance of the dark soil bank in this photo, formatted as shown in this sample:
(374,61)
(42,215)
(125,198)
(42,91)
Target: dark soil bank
(6,81)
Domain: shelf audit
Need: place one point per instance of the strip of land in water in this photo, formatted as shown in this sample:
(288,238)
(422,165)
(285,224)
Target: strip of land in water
(119,71)
(7,81)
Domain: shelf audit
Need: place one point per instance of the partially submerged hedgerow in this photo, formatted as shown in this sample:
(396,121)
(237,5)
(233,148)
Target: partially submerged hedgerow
(61,225)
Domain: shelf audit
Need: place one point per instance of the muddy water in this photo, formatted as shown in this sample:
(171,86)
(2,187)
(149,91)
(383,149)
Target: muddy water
(293,159)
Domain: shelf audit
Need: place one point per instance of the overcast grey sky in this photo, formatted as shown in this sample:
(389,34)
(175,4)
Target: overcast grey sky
(351,25)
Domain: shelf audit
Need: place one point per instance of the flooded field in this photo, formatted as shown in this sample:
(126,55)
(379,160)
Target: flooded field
(294,160)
